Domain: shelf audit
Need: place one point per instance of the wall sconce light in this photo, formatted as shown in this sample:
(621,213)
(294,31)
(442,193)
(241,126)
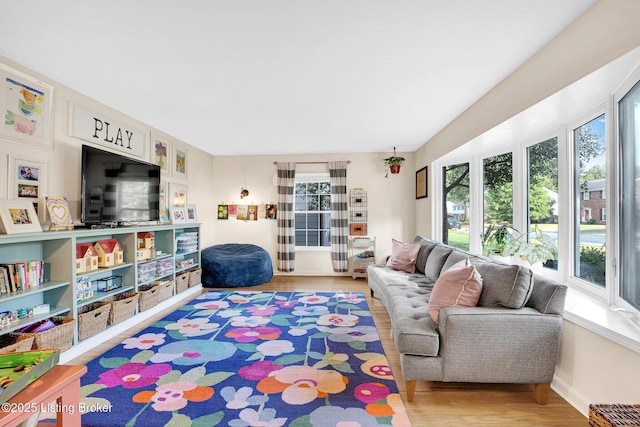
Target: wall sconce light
(243,192)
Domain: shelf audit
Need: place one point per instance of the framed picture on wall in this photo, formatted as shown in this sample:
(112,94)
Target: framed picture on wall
(27,181)
(177,194)
(421,183)
(180,160)
(161,153)
(26,106)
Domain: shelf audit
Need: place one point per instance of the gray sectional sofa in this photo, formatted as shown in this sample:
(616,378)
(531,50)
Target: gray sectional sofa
(511,336)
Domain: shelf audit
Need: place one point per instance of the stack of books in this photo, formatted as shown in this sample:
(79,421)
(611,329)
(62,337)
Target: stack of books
(21,276)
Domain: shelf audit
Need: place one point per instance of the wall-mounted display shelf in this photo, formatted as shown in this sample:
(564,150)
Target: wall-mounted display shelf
(177,248)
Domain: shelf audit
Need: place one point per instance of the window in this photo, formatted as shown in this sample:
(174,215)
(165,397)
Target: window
(542,192)
(456,205)
(498,192)
(629,128)
(589,222)
(586,195)
(313,210)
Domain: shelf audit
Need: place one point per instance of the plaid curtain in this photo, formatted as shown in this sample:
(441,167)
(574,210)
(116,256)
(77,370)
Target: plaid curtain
(286,217)
(339,216)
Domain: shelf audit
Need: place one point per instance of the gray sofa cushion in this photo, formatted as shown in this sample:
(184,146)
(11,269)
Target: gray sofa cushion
(504,285)
(435,261)
(426,245)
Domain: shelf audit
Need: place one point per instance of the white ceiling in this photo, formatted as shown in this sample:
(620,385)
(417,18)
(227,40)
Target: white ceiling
(284,76)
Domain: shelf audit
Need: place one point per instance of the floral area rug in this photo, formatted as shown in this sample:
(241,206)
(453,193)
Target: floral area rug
(249,359)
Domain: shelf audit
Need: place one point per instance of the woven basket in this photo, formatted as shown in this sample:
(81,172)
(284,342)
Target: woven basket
(92,318)
(60,337)
(15,342)
(123,307)
(182,282)
(149,295)
(195,277)
(165,290)
(614,415)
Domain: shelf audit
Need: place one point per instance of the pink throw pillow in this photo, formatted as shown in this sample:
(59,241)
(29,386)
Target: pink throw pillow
(403,256)
(459,286)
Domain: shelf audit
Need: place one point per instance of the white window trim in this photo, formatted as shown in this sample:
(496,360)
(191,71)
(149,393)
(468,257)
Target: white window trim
(312,177)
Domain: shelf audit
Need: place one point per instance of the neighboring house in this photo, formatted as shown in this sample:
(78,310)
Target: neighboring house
(457,210)
(593,202)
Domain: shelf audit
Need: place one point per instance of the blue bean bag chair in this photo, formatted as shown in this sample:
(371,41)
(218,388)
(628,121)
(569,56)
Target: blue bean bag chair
(235,265)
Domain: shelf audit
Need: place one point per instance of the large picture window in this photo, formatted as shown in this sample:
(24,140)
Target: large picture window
(456,205)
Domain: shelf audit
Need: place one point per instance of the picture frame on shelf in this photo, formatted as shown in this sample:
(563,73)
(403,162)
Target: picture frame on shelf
(18,216)
(180,160)
(59,213)
(164,214)
(191,213)
(161,153)
(421,183)
(178,215)
(26,104)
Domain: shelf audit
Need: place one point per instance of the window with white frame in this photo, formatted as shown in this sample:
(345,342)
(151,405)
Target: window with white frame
(589,176)
(313,210)
(629,239)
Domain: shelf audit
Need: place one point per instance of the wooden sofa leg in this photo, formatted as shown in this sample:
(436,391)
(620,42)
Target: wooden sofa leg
(542,393)
(371,291)
(411,389)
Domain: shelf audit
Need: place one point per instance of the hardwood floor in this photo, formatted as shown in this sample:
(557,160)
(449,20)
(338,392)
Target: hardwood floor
(435,404)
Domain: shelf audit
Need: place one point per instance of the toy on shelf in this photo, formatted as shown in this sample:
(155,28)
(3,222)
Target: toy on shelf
(110,253)
(146,246)
(86,258)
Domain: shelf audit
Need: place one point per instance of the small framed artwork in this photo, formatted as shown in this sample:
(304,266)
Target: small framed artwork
(271,211)
(233,209)
(421,183)
(59,213)
(161,153)
(242,213)
(177,194)
(179,161)
(223,211)
(178,215)
(25,103)
(164,214)
(27,181)
(18,216)
(191,213)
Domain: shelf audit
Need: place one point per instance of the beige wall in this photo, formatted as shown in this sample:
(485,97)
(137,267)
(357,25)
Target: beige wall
(390,201)
(63,160)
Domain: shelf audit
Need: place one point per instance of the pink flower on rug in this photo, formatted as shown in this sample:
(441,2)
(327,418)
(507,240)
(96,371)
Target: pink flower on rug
(335,319)
(238,299)
(287,304)
(276,347)
(302,384)
(371,392)
(258,310)
(193,327)
(258,370)
(133,375)
(251,322)
(254,334)
(314,299)
(350,298)
(145,341)
(211,305)
(174,396)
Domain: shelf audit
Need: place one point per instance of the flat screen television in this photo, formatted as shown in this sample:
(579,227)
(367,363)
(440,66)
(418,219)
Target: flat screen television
(117,189)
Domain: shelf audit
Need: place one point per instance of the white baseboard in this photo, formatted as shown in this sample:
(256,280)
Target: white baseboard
(112,331)
(574,398)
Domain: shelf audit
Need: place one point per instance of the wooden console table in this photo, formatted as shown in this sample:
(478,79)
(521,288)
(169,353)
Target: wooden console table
(58,389)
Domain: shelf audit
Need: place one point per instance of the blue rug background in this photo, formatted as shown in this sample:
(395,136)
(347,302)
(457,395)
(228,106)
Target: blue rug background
(249,358)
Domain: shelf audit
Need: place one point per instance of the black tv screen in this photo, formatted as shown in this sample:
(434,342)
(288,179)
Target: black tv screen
(118,189)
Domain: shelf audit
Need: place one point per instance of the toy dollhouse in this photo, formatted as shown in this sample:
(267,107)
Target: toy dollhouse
(110,253)
(146,245)
(86,258)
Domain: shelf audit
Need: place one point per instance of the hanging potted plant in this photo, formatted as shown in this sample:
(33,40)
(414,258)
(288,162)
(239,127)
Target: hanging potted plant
(392,164)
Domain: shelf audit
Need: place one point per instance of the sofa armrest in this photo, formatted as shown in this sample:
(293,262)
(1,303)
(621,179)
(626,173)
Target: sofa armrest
(483,344)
